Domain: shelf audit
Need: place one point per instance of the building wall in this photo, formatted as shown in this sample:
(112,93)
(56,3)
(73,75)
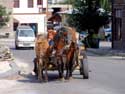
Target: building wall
(9,27)
(119,1)
(23,14)
(118,24)
(24,8)
(39,19)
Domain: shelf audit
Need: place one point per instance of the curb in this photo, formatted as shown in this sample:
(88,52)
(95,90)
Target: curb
(7,39)
(13,71)
(99,52)
(108,52)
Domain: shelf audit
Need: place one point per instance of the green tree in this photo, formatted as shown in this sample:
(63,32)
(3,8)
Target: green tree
(68,1)
(88,16)
(4,16)
(105,4)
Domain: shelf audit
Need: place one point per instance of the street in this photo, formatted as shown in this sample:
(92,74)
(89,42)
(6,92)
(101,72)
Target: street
(106,76)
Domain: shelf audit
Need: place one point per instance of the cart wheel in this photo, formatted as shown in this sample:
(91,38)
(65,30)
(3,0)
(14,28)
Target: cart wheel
(84,68)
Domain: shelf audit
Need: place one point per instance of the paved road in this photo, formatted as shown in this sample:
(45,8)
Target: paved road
(106,77)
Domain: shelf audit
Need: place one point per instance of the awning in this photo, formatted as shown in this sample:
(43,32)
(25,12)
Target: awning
(56,17)
(15,20)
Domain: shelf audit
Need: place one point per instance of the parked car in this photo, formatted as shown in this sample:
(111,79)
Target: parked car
(24,37)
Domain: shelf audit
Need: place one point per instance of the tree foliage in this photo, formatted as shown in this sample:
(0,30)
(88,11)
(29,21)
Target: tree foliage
(87,15)
(69,1)
(105,4)
(4,16)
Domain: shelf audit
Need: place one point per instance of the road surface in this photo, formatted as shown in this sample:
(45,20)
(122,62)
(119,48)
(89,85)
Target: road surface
(106,77)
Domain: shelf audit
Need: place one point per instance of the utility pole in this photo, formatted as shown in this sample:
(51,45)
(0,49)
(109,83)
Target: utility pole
(112,15)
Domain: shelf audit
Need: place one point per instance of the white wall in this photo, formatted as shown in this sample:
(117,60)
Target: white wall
(24,8)
(31,15)
(45,3)
(40,19)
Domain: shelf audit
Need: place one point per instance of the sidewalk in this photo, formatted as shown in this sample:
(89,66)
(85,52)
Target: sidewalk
(7,39)
(8,66)
(105,49)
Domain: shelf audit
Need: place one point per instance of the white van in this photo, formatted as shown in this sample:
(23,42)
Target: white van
(25,37)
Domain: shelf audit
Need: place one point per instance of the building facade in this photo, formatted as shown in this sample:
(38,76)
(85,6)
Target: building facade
(9,25)
(118,25)
(31,12)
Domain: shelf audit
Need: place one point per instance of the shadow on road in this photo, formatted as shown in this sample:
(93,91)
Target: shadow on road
(29,78)
(52,77)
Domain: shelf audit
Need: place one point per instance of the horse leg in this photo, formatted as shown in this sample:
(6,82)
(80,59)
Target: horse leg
(71,66)
(40,70)
(60,68)
(75,61)
(35,66)
(42,73)
(46,74)
(67,69)
(61,72)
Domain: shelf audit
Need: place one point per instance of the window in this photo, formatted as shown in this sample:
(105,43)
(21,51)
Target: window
(26,33)
(39,2)
(30,3)
(49,1)
(16,3)
(118,13)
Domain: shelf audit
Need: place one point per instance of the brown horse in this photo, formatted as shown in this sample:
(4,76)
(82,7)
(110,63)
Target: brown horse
(71,53)
(42,54)
(60,41)
(65,43)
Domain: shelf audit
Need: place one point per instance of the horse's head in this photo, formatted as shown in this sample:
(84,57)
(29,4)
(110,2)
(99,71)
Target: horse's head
(66,36)
(62,35)
(41,45)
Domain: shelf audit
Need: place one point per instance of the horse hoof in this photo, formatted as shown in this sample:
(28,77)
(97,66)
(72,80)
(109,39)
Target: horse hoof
(67,78)
(40,81)
(70,78)
(46,81)
(62,79)
(33,73)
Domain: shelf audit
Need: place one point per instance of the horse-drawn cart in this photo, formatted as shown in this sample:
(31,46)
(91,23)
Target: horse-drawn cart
(80,57)
(61,58)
